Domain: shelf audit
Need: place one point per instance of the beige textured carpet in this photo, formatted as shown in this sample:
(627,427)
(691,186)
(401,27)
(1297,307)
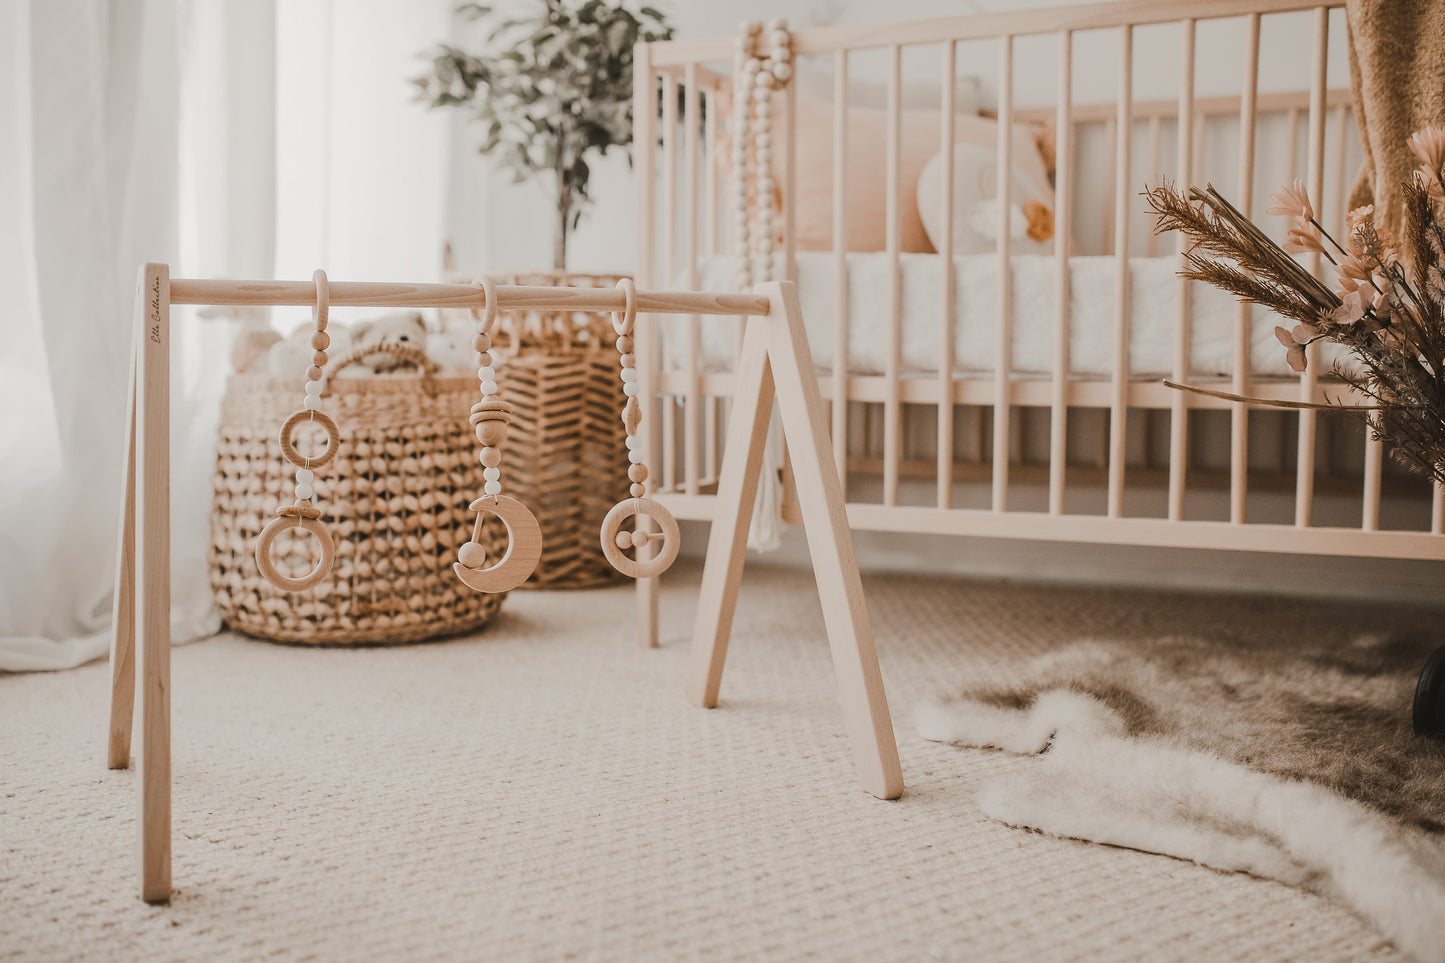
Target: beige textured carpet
(543,791)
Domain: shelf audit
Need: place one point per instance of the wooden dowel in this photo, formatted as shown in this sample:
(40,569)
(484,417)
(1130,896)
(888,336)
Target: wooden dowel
(946,348)
(1239,413)
(1179,408)
(669,178)
(1305,460)
(840,265)
(709,173)
(1063,230)
(691,427)
(892,405)
(509,297)
(1003,340)
(122,643)
(1118,414)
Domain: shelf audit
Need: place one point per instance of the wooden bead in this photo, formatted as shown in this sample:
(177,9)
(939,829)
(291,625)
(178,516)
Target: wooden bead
(481,342)
(640,538)
(319,359)
(491,409)
(491,458)
(472,555)
(484,359)
(637,473)
(624,540)
(491,434)
(624,344)
(638,490)
(314,373)
(321,341)
(629,360)
(632,415)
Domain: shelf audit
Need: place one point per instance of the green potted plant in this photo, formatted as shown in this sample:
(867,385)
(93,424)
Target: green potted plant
(552,90)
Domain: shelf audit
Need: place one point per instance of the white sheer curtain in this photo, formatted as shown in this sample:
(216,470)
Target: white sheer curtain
(195,132)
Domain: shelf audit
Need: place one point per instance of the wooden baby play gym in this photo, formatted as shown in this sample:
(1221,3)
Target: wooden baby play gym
(775,364)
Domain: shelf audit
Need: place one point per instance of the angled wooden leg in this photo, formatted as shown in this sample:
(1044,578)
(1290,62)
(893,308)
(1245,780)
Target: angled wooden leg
(122,642)
(153,575)
(727,544)
(820,498)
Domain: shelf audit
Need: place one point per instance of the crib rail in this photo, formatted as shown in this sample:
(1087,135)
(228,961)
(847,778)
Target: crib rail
(1111,457)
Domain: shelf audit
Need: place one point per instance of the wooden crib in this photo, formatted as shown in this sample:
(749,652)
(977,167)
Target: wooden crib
(981,443)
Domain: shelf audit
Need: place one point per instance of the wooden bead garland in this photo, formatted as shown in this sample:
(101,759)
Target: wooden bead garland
(490,418)
(614,540)
(757,75)
(302,514)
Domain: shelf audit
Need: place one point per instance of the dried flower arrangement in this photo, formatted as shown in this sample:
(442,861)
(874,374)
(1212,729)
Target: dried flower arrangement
(1388,311)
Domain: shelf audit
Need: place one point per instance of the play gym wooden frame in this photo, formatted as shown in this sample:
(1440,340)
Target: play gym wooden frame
(775,366)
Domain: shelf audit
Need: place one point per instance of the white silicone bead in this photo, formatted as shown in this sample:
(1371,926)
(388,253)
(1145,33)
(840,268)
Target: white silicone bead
(491,474)
(487,373)
(492,488)
(313,388)
(629,374)
(632,442)
(630,389)
(635,457)
(304,490)
(489,387)
(312,403)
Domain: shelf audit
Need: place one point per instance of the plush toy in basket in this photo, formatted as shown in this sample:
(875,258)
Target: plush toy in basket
(395,500)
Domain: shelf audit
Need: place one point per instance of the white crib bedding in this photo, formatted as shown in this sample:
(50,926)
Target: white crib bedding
(1153,317)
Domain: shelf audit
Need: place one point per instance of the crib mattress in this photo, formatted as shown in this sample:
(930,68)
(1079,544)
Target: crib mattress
(1154,296)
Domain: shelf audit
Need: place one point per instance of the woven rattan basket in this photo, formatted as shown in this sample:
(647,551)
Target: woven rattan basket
(395,500)
(566,456)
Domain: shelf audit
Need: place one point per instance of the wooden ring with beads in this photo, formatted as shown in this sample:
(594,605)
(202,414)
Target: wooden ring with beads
(487,317)
(629,312)
(333,439)
(638,568)
(268,568)
(323,300)
(524,546)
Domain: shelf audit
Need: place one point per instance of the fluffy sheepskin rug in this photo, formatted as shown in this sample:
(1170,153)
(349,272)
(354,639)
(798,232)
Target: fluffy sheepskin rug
(1293,765)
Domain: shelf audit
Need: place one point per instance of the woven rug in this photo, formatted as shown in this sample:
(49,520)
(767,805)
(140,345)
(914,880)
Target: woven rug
(543,791)
(1285,757)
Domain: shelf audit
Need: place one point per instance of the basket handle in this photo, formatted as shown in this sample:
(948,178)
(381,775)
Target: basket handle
(404,353)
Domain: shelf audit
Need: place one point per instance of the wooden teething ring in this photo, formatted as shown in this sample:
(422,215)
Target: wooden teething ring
(323,420)
(624,327)
(524,546)
(268,567)
(487,317)
(612,526)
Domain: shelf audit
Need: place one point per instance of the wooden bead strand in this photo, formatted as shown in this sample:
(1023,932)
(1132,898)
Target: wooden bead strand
(764,64)
(301,513)
(490,418)
(614,539)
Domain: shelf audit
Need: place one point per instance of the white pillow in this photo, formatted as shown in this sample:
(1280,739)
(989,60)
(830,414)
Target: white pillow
(975,208)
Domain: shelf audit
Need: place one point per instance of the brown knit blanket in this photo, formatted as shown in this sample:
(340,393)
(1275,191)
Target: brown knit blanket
(1397,73)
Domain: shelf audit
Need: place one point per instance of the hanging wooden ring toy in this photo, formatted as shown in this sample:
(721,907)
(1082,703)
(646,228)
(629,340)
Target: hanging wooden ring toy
(302,514)
(614,539)
(490,418)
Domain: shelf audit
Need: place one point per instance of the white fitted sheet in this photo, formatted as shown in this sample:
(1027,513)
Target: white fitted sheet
(1153,317)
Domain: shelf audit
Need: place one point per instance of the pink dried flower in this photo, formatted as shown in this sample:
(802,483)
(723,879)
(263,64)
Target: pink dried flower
(1359,217)
(1353,306)
(1294,354)
(1292,201)
(1429,146)
(1303,238)
(1355,266)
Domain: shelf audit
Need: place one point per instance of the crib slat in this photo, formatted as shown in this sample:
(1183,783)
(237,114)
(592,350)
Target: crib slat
(1239,413)
(1179,408)
(840,264)
(1305,463)
(1111,138)
(892,406)
(668,437)
(1003,342)
(1374,462)
(945,265)
(1151,248)
(708,103)
(692,427)
(1292,152)
(1063,230)
(1119,414)
(1437,509)
(1340,192)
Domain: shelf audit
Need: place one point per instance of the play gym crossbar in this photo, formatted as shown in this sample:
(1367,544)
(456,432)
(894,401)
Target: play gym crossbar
(774,364)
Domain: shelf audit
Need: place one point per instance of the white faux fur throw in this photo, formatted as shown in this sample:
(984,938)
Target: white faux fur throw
(1111,766)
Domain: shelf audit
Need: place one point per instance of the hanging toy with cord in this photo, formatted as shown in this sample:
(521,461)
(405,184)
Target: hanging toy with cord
(302,513)
(490,418)
(615,541)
